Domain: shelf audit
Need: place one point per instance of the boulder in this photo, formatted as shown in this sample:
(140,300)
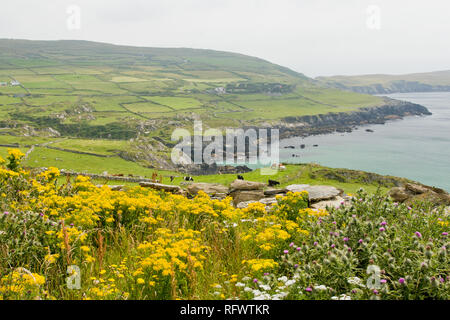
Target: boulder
(296,187)
(164,187)
(246,185)
(213,189)
(436,199)
(272,192)
(244,204)
(415,188)
(412,193)
(112,187)
(398,194)
(333,203)
(266,201)
(316,193)
(116,187)
(246,195)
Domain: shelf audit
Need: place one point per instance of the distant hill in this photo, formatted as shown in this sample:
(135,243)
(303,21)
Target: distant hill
(20,53)
(68,85)
(385,83)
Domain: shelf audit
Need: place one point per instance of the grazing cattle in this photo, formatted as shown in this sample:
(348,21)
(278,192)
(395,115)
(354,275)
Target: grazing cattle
(188,179)
(273,183)
(240,177)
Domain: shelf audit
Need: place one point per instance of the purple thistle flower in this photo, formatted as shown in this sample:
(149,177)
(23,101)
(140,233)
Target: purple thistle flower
(382,229)
(409,208)
(286,251)
(383,223)
(266,273)
(255,280)
(360,240)
(315,243)
(298,248)
(333,245)
(375,291)
(418,234)
(401,280)
(383,280)
(291,244)
(345,239)
(296,266)
(308,289)
(445,233)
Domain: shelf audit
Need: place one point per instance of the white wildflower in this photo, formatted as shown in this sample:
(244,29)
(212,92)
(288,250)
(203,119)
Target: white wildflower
(320,288)
(290,282)
(265,287)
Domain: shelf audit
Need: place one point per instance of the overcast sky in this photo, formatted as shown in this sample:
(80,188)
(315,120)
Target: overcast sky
(315,37)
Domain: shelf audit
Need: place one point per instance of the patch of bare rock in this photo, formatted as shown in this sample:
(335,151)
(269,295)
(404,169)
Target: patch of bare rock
(412,193)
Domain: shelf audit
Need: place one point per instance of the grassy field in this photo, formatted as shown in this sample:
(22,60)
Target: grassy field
(89,78)
(96,98)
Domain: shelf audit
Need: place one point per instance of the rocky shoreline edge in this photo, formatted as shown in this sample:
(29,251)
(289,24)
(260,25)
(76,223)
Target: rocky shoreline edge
(392,109)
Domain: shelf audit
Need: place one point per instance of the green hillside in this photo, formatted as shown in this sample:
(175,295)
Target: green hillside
(99,93)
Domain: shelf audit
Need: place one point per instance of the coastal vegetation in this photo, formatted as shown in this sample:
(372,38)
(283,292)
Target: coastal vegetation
(70,239)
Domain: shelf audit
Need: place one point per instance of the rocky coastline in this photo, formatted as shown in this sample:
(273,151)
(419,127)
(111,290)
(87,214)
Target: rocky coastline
(347,121)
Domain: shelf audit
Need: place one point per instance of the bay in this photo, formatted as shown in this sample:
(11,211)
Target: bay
(416,147)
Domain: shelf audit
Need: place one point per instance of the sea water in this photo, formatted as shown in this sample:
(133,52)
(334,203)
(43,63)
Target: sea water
(416,147)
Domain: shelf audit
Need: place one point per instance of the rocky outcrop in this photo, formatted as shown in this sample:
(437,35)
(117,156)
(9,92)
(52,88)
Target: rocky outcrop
(316,193)
(205,169)
(215,190)
(246,195)
(336,202)
(244,191)
(412,193)
(163,187)
(268,202)
(246,185)
(346,121)
(402,86)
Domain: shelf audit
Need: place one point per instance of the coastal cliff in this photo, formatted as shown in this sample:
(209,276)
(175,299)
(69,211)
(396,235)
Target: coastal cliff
(437,81)
(400,86)
(346,121)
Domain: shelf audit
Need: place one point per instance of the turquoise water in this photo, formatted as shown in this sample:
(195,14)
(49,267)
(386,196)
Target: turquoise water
(415,147)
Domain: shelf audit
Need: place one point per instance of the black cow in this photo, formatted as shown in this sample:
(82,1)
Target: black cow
(273,183)
(240,177)
(188,179)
